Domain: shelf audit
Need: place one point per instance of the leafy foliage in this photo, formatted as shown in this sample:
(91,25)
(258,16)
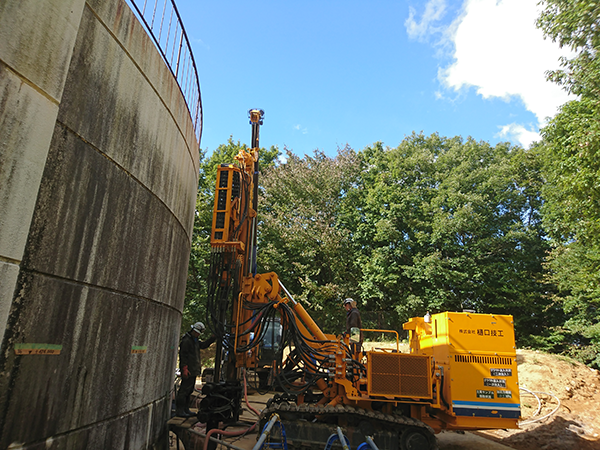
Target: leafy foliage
(435,224)
(301,238)
(572,168)
(570,154)
(574,24)
(451,225)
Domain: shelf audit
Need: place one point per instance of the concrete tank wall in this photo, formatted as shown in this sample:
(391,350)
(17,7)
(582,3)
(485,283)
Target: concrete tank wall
(98,179)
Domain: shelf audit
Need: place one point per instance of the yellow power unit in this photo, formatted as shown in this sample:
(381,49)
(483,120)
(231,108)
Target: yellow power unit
(477,357)
(395,375)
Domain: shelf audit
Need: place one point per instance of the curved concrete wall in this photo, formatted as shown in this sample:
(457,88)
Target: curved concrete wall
(98,179)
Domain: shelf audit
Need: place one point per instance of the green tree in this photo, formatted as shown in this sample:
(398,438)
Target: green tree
(450,224)
(574,24)
(570,152)
(300,237)
(435,224)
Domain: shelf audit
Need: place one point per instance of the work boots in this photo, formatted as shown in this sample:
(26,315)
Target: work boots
(179,412)
(182,410)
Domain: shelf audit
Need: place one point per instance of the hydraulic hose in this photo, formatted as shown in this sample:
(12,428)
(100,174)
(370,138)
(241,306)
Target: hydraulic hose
(224,433)
(246,395)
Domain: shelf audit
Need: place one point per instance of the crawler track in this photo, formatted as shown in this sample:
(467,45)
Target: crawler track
(308,426)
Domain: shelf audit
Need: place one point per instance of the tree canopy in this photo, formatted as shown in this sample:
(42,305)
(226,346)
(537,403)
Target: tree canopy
(442,223)
(434,224)
(571,168)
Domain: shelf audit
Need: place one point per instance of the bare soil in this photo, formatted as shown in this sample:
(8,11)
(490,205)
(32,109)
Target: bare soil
(576,423)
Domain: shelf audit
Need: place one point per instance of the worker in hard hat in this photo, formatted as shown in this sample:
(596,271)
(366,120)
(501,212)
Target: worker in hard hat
(190,366)
(353,319)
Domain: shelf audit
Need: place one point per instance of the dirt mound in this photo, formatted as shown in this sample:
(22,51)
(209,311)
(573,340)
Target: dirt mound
(576,422)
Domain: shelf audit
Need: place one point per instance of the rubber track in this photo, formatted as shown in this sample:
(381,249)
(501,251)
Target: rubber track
(378,419)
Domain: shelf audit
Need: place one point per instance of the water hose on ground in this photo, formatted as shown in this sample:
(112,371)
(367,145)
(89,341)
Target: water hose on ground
(538,419)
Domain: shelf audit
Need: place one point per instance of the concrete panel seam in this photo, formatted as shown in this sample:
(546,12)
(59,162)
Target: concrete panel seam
(100,288)
(70,130)
(108,419)
(29,83)
(148,80)
(7,260)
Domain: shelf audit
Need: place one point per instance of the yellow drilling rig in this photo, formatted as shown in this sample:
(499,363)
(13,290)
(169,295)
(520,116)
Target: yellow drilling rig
(460,374)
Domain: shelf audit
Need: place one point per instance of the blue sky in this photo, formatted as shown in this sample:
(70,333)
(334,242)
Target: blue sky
(331,73)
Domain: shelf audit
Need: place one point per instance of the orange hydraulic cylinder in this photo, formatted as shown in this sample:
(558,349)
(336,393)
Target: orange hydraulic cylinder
(309,322)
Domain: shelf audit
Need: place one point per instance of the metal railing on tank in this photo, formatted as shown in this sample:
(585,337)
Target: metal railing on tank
(163,23)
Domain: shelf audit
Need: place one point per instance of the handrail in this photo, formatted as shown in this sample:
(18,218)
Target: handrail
(386,331)
(163,23)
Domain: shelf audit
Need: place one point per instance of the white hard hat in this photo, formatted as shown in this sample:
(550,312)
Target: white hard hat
(348,300)
(198,327)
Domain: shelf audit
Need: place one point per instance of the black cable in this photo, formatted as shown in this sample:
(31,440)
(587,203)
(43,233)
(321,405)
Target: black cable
(310,358)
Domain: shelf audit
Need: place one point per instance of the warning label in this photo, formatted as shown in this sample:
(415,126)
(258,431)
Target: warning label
(494,382)
(37,349)
(484,394)
(504,394)
(135,349)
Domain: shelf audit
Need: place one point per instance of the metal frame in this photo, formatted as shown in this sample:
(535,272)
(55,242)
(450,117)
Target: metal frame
(163,23)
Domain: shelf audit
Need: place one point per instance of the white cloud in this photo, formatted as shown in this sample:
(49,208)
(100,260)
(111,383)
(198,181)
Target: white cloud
(201,43)
(517,132)
(299,128)
(434,11)
(500,52)
(283,158)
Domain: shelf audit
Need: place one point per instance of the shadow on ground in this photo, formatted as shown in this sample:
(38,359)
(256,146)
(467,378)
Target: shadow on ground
(555,434)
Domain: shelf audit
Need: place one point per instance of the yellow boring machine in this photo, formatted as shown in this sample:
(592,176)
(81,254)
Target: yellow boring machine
(460,374)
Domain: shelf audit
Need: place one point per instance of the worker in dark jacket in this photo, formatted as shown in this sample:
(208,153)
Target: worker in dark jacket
(190,366)
(352,318)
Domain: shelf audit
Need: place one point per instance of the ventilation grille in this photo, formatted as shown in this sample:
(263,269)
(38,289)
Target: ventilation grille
(495,360)
(400,375)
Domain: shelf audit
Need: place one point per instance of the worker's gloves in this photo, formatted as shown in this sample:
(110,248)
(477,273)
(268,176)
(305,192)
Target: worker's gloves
(185,372)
